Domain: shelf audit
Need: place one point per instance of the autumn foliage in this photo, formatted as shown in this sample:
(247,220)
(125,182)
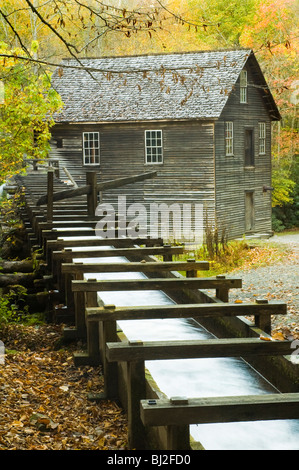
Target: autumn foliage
(26,114)
(121,27)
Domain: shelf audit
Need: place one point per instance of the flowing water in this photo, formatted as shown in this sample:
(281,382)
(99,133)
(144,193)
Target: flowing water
(199,377)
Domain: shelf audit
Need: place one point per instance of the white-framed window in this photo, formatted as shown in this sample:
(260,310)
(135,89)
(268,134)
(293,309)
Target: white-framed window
(229,138)
(91,148)
(243,86)
(262,138)
(153,147)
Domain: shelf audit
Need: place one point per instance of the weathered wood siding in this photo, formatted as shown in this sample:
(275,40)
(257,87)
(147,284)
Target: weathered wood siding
(233,178)
(186,175)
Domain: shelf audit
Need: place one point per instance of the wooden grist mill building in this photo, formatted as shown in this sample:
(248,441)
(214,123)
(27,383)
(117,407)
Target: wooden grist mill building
(202,120)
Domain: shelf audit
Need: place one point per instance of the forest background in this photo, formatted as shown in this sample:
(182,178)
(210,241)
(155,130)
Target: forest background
(36,34)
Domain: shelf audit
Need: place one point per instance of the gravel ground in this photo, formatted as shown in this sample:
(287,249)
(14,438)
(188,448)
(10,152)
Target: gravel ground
(279,281)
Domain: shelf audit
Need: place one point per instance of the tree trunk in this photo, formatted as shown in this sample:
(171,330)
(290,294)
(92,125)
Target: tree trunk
(23,279)
(23,266)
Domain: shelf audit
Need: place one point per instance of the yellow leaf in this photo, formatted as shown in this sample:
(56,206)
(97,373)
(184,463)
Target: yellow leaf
(101,442)
(17,423)
(265,338)
(278,336)
(43,420)
(89,384)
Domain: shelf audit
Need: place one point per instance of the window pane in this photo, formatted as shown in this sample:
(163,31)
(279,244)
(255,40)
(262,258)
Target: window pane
(153,146)
(262,130)
(243,78)
(243,86)
(243,95)
(228,138)
(91,145)
(262,137)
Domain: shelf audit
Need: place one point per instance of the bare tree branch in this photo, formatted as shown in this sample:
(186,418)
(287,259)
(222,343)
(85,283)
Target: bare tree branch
(68,45)
(5,17)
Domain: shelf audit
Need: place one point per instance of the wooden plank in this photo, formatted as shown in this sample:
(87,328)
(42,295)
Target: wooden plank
(154,250)
(184,311)
(69,224)
(228,347)
(220,409)
(156,284)
(73,217)
(47,235)
(134,266)
(61,243)
(111,184)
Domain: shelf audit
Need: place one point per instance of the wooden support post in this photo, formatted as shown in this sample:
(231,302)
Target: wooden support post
(93,344)
(50,191)
(263,322)
(191,272)
(79,306)
(107,332)
(91,180)
(110,368)
(75,302)
(178,437)
(136,392)
(167,256)
(222,292)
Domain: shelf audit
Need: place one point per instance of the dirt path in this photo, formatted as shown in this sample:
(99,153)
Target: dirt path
(291,240)
(276,281)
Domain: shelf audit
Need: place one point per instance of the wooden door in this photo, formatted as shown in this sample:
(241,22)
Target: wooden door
(249,211)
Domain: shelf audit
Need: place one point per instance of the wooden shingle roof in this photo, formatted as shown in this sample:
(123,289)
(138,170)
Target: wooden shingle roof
(178,86)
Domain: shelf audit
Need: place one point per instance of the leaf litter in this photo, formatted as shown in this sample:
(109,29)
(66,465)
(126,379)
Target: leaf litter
(44,397)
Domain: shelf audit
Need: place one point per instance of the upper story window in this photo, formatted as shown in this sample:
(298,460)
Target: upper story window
(229,138)
(243,86)
(262,138)
(153,147)
(91,148)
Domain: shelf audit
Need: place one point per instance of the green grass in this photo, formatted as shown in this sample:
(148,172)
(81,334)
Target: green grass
(238,255)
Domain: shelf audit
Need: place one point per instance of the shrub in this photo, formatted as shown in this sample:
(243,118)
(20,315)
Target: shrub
(13,306)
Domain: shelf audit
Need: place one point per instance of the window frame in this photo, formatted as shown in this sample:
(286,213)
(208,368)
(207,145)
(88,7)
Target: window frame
(229,139)
(262,138)
(97,149)
(243,87)
(150,147)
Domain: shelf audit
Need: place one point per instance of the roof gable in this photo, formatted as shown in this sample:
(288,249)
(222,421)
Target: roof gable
(178,86)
